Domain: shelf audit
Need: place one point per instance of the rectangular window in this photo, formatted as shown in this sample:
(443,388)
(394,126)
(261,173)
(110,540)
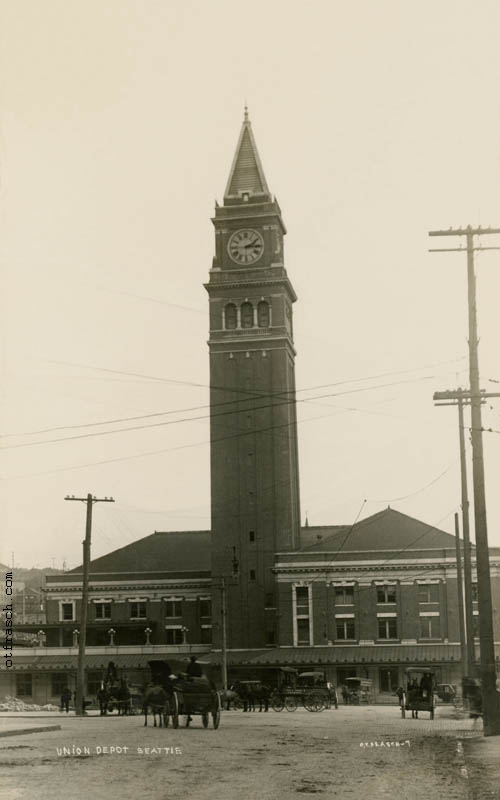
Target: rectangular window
(206,634)
(67,614)
(102,610)
(428,593)
(205,608)
(252,574)
(345,629)
(58,682)
(387,628)
(475,596)
(388,679)
(174,636)
(302,615)
(138,610)
(475,625)
(430,628)
(302,597)
(303,632)
(344,595)
(173,608)
(24,685)
(386,594)
(270,637)
(251,536)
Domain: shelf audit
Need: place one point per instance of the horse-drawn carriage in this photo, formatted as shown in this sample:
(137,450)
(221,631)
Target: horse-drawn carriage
(309,689)
(116,693)
(359,690)
(419,694)
(170,697)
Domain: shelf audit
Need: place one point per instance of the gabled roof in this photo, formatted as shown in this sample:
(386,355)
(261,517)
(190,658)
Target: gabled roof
(246,171)
(386,530)
(189,551)
(174,551)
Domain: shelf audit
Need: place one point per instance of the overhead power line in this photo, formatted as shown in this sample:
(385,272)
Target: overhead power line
(246,392)
(291,401)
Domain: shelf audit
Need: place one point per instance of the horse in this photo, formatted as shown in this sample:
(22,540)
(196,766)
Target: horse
(119,696)
(123,697)
(229,696)
(103,699)
(156,699)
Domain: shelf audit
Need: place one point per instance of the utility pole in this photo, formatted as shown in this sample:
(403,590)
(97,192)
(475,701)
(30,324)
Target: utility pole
(459,398)
(461,620)
(491,698)
(235,573)
(224,633)
(80,675)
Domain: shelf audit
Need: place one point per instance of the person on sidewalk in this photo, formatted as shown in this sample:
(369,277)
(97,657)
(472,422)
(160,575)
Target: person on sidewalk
(65,699)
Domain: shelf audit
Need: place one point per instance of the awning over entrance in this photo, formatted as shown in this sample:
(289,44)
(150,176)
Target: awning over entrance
(92,662)
(348,655)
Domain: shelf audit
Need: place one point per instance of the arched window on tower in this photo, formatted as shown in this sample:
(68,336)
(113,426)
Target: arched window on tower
(230,316)
(263,314)
(246,315)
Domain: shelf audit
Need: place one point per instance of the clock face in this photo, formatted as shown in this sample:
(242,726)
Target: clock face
(245,246)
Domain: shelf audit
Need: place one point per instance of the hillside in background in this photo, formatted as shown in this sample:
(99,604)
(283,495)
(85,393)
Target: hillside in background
(33,577)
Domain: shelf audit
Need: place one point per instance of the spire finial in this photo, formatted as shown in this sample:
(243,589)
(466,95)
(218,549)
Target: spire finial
(245,119)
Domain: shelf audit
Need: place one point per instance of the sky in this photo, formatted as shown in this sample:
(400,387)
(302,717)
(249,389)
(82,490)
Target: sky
(375,123)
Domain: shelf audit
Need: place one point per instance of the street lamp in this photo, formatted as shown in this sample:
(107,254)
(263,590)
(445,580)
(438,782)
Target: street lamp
(148,633)
(185,631)
(41,634)
(76,634)
(111,637)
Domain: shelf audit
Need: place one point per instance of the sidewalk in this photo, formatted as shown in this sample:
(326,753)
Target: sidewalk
(12,727)
(44,714)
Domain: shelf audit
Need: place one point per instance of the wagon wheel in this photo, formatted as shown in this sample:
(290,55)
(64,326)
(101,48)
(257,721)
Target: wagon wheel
(291,703)
(313,702)
(216,711)
(277,703)
(174,710)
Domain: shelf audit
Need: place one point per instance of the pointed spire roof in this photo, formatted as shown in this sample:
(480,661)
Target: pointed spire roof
(246,173)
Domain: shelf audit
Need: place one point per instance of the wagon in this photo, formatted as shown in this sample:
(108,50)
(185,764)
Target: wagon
(360,690)
(419,694)
(194,696)
(307,689)
(187,696)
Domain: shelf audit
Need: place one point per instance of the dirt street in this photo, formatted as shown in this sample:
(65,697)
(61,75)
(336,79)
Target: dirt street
(367,752)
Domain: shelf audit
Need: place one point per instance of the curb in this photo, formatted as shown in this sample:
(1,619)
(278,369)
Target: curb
(22,731)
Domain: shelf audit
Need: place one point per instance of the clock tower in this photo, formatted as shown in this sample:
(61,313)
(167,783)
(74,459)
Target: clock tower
(254,457)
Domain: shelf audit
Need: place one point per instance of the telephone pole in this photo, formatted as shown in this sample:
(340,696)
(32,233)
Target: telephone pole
(459,398)
(80,675)
(461,620)
(235,573)
(224,633)
(491,698)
